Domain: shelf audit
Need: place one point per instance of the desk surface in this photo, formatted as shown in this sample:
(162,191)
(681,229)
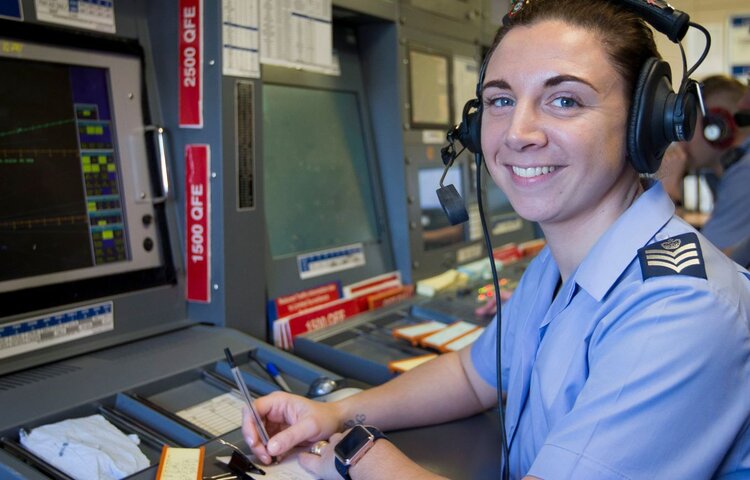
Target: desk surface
(466,449)
(462,449)
(165,366)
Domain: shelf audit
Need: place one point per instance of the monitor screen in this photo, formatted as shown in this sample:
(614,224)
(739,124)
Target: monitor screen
(437,232)
(75,194)
(314,147)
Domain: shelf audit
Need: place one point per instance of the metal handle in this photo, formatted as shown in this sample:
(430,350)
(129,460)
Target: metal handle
(163,172)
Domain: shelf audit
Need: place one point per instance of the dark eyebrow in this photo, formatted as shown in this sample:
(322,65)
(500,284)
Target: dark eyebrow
(550,82)
(501,84)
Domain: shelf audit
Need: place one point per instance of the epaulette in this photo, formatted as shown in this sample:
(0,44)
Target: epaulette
(680,255)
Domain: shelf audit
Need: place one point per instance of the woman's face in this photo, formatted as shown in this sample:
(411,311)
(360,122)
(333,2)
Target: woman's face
(554,123)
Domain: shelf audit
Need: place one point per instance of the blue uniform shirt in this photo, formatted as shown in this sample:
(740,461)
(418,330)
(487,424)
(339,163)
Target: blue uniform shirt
(621,377)
(729,222)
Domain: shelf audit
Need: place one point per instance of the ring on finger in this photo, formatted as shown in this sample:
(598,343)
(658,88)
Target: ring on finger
(317,448)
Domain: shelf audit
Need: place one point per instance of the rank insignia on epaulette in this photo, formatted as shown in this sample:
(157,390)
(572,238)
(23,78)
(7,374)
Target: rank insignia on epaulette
(680,255)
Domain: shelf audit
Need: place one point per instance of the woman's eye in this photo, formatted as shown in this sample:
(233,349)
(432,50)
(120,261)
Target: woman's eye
(565,102)
(501,102)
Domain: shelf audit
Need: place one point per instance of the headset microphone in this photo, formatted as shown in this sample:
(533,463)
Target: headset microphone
(448,196)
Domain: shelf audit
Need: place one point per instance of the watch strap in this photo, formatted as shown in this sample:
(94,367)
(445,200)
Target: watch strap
(342,468)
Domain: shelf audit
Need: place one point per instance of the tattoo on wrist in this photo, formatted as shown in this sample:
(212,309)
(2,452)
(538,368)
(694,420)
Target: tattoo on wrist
(358,419)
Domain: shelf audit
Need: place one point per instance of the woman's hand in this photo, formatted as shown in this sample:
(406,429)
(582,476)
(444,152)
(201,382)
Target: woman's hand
(323,465)
(290,420)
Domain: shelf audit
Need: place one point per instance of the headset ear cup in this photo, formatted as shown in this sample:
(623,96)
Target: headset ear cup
(646,140)
(469,132)
(685,115)
(473,125)
(719,128)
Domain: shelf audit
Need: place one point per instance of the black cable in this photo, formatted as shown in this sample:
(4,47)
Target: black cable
(496,284)
(705,49)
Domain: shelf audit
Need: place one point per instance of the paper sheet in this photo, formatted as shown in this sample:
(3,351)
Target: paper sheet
(217,415)
(240,38)
(180,463)
(298,35)
(287,469)
(90,14)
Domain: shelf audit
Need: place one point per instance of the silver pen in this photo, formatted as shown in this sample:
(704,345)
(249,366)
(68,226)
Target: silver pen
(248,399)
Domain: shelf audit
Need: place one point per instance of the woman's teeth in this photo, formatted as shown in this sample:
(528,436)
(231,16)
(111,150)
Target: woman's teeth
(532,171)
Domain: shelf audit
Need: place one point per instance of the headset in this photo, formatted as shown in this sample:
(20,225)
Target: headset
(719,127)
(658,116)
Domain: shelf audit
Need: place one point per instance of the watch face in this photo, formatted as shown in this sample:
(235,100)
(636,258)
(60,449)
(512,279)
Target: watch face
(352,443)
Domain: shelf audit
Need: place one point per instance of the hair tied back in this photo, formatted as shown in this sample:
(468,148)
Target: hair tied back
(515,7)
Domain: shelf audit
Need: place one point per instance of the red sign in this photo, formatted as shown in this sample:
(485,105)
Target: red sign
(322,316)
(190,70)
(197,224)
(306,299)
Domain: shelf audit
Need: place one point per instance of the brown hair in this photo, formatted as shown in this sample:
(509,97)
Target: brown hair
(722,83)
(627,38)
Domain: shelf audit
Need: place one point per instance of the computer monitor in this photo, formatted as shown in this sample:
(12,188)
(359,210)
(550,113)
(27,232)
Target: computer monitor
(437,232)
(436,245)
(498,205)
(78,218)
(317,180)
(503,223)
(324,207)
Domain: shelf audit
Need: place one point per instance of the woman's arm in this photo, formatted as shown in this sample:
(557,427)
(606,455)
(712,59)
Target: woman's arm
(440,390)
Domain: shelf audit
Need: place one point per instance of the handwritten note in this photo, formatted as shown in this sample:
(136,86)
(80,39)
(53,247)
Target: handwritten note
(180,463)
(287,469)
(217,415)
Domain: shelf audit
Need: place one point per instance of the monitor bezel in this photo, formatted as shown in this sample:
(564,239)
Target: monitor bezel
(53,44)
(420,50)
(283,276)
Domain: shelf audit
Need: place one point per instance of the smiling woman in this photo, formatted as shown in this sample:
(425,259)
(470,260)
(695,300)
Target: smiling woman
(553,132)
(625,322)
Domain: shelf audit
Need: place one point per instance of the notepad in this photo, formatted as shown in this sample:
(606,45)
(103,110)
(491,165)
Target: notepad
(450,333)
(180,463)
(399,366)
(217,415)
(413,333)
(463,341)
(439,283)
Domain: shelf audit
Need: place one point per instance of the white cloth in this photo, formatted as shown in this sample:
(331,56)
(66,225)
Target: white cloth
(88,448)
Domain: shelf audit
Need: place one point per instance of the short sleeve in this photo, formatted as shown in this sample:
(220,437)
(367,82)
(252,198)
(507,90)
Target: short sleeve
(483,354)
(646,408)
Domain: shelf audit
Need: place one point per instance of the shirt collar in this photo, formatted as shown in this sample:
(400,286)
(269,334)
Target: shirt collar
(619,245)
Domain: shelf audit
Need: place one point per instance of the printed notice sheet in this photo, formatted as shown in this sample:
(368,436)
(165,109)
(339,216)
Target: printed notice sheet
(90,14)
(297,34)
(240,38)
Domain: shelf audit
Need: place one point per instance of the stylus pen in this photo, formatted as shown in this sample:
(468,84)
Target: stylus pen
(274,372)
(248,399)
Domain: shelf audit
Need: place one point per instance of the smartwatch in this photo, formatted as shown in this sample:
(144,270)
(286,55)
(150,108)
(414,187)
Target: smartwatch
(353,446)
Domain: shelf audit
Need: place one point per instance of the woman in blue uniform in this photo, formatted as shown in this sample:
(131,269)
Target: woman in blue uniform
(626,347)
